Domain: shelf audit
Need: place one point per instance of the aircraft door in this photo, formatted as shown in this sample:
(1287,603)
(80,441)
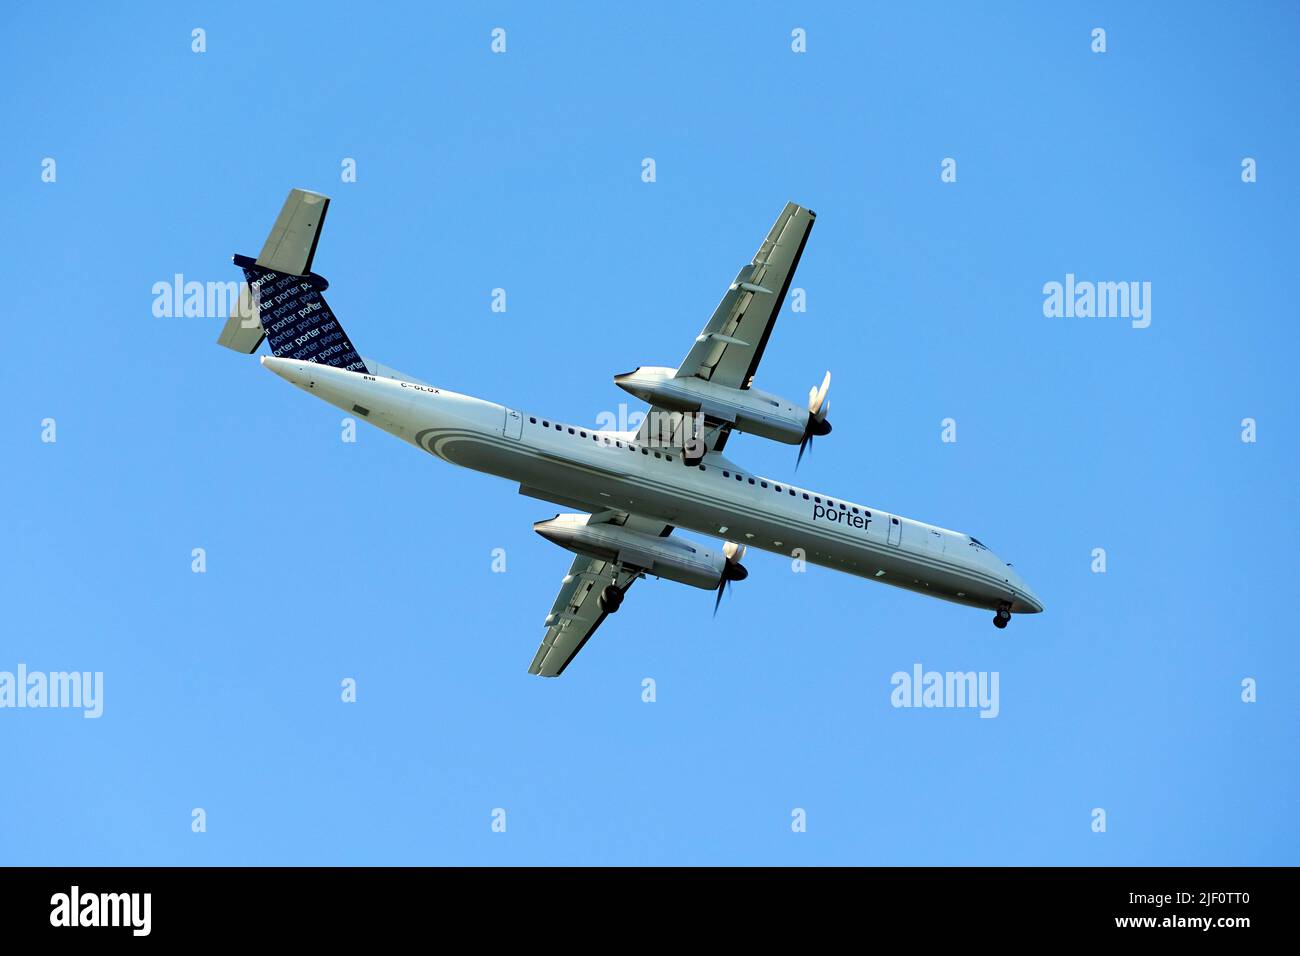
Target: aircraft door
(895,531)
(513,427)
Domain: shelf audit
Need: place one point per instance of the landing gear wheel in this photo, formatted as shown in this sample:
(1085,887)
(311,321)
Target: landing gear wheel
(1002,618)
(611,598)
(691,461)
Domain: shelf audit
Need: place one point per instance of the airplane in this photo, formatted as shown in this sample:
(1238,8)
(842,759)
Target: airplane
(629,490)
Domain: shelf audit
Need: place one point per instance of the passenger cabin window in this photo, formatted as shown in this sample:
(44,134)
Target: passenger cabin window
(532,421)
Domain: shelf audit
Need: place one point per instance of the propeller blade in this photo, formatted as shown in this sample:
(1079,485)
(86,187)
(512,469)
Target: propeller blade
(818,395)
(732,570)
(819,407)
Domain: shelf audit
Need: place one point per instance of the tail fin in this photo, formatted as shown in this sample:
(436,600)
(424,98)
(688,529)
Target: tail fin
(297,320)
(283,302)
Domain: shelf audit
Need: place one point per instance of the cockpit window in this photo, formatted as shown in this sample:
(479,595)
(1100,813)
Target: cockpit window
(979,544)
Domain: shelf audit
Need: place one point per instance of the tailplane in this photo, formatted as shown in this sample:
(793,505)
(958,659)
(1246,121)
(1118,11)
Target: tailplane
(281,300)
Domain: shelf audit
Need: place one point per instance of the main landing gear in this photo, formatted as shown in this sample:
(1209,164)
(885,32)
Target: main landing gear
(1003,616)
(693,452)
(611,599)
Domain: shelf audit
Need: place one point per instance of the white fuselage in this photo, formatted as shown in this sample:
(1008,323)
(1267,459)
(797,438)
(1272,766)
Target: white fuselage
(597,471)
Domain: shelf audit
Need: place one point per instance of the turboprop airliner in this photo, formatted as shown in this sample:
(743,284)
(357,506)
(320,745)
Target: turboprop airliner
(629,490)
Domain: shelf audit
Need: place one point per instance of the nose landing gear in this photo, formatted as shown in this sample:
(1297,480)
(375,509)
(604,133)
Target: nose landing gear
(1003,616)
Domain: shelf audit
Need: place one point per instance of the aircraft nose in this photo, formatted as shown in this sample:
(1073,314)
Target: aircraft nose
(1026,602)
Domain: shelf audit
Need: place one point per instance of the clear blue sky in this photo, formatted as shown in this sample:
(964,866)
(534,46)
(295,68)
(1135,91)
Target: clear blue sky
(370,560)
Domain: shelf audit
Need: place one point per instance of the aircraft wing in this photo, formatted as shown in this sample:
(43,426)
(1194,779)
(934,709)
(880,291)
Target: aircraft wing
(728,350)
(576,613)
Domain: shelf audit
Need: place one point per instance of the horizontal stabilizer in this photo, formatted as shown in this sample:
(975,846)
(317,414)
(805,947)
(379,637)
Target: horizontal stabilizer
(291,245)
(243,330)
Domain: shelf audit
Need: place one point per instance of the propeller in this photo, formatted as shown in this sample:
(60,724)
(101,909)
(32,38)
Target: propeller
(818,408)
(733,570)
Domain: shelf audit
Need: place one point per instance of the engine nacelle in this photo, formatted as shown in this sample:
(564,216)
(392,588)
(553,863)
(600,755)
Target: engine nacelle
(668,557)
(747,410)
